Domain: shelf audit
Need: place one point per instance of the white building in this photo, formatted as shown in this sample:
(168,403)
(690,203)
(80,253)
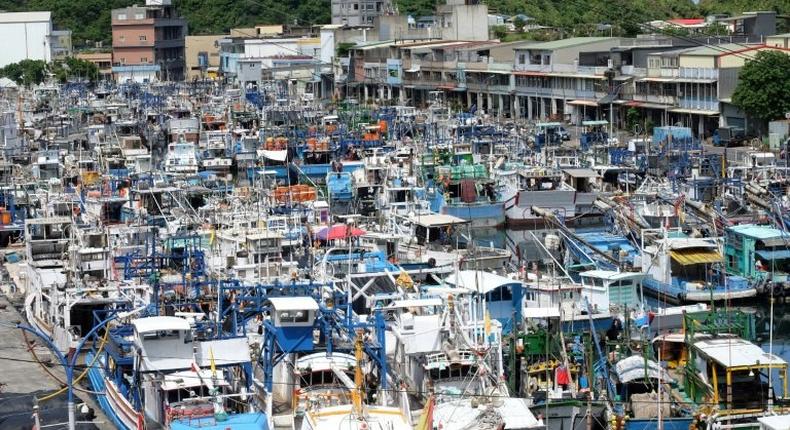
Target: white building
(27,36)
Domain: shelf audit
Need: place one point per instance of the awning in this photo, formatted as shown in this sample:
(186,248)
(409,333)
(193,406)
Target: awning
(273,155)
(694,111)
(776,242)
(609,98)
(581,173)
(687,257)
(583,103)
(770,255)
(413,69)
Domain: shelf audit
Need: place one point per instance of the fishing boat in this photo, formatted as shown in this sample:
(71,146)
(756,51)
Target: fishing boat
(684,269)
(155,371)
(181,158)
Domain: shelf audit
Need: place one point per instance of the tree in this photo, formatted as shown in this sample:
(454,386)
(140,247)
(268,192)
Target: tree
(75,69)
(500,31)
(764,85)
(26,72)
(519,23)
(632,117)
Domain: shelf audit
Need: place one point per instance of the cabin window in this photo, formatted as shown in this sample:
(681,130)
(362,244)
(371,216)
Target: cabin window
(294,316)
(500,294)
(162,334)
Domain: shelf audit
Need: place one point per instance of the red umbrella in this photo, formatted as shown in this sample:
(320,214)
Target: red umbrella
(339,231)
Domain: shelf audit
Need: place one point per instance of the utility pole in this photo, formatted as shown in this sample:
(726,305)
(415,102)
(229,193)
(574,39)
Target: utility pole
(609,74)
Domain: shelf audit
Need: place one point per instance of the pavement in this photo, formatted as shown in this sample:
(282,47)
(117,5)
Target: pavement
(22,379)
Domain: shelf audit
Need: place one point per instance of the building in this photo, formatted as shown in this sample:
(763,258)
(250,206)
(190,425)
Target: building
(360,12)
(61,44)
(102,60)
(202,56)
(779,40)
(27,36)
(148,42)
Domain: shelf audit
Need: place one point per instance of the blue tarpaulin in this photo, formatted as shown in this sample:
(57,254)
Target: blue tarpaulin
(778,254)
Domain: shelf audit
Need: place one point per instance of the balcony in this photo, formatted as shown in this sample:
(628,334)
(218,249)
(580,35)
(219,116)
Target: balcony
(439,65)
(133,43)
(487,87)
(698,73)
(669,101)
(561,68)
(124,22)
(488,67)
(700,104)
(589,70)
(685,73)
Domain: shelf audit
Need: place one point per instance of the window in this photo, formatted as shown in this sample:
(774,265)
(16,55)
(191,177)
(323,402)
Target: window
(522,59)
(122,38)
(143,59)
(121,17)
(142,38)
(356,6)
(139,16)
(653,63)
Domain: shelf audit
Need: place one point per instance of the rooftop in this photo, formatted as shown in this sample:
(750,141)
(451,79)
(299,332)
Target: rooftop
(294,303)
(151,324)
(14,17)
(736,352)
(568,43)
(758,232)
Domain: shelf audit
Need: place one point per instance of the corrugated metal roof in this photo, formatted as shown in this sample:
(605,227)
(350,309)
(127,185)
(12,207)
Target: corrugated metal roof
(736,352)
(779,254)
(758,232)
(581,173)
(688,257)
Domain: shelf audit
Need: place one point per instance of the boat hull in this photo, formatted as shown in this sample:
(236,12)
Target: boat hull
(478,214)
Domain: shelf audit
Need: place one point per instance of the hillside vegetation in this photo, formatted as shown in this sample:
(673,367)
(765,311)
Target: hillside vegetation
(90,19)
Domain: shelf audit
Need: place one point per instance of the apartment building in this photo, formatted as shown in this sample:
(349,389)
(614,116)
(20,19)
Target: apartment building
(202,56)
(61,44)
(148,42)
(694,86)
(360,12)
(667,80)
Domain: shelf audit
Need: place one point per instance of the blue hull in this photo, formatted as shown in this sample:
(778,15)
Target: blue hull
(96,377)
(682,423)
(314,171)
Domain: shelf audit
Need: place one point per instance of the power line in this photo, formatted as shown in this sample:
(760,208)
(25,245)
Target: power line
(389,390)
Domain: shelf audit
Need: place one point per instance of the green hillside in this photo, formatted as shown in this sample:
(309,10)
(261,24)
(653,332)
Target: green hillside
(90,19)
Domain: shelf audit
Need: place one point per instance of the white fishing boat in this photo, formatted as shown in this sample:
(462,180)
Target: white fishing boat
(181,158)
